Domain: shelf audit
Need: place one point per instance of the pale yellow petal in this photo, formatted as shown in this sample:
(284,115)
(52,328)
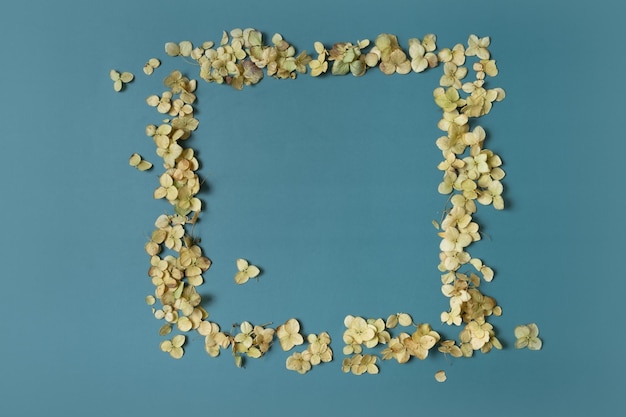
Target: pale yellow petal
(144,165)
(126,77)
(134,160)
(253,271)
(534,344)
(242,264)
(440,376)
(241,277)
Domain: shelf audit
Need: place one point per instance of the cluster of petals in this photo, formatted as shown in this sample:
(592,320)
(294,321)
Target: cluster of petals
(360,332)
(253,341)
(471,173)
(120,79)
(318,351)
(174,346)
(528,337)
(289,334)
(214,339)
(178,272)
(388,55)
(360,364)
(478,335)
(179,184)
(241,58)
(417,344)
(319,65)
(348,58)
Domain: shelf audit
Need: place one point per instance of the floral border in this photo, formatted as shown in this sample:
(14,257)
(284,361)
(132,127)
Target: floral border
(471,173)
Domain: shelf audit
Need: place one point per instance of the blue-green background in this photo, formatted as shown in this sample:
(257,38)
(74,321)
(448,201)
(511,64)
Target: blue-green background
(327,184)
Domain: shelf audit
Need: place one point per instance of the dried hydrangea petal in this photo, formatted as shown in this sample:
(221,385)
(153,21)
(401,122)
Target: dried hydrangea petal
(172,49)
(138,162)
(440,376)
(246,271)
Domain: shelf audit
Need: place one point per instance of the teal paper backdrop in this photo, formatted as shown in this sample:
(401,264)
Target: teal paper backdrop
(330,186)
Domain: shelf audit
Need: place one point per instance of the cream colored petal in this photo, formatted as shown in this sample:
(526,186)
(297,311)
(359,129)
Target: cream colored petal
(144,165)
(242,264)
(172,49)
(521,343)
(166,345)
(177,352)
(392,321)
(126,77)
(534,344)
(134,160)
(522,331)
(253,271)
(241,277)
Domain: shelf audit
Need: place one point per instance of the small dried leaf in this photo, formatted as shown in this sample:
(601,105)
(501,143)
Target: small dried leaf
(165,329)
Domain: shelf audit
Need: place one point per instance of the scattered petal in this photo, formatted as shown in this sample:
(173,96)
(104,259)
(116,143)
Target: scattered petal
(440,376)
(527,336)
(246,271)
(138,162)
